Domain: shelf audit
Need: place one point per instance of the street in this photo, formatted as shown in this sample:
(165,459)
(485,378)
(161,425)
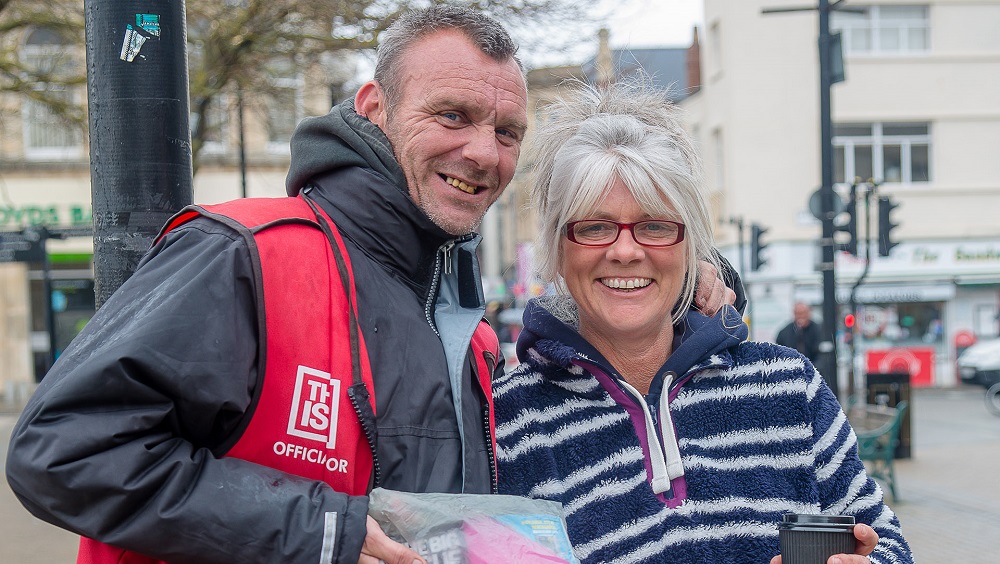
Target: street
(949,500)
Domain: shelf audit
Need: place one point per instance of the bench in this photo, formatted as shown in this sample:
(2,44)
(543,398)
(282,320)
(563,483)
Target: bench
(877,428)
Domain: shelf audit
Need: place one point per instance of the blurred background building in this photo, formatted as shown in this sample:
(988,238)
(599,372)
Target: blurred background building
(917,113)
(917,118)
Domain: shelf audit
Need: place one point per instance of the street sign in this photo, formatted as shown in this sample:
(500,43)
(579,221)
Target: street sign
(22,246)
(816,204)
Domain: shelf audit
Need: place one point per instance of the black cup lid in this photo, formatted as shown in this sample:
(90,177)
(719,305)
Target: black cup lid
(806,519)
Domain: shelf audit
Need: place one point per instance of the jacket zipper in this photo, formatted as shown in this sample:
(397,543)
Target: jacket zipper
(367,426)
(444,250)
(494,478)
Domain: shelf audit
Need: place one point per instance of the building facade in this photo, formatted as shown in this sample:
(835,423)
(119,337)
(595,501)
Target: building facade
(917,116)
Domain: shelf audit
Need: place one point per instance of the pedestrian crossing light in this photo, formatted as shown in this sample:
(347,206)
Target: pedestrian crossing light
(757,247)
(886,225)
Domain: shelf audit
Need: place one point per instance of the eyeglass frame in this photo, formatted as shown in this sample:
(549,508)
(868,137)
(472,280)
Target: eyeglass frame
(568,231)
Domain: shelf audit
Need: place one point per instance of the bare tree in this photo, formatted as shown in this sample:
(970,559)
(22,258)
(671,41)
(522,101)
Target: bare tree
(41,55)
(237,46)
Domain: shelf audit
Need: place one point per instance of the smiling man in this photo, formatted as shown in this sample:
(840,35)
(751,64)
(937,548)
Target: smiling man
(271,360)
(456,127)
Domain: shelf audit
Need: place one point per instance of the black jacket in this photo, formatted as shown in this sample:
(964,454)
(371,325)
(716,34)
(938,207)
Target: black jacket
(803,339)
(121,441)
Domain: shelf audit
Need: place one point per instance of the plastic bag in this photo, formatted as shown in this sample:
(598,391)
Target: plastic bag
(474,529)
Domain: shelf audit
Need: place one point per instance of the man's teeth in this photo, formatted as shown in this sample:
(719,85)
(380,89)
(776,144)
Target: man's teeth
(460,185)
(626,283)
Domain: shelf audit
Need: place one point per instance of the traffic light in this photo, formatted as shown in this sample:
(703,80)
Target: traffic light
(849,321)
(756,247)
(886,225)
(851,225)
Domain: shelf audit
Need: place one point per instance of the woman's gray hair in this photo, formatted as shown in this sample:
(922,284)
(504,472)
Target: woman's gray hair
(485,33)
(628,131)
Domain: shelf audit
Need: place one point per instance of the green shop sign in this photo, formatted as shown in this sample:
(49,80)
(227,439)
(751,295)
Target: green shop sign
(21,216)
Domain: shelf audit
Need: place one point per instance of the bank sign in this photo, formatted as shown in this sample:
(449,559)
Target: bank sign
(16,217)
(946,258)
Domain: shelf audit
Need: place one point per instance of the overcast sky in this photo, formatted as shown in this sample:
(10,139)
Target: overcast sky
(633,23)
(653,23)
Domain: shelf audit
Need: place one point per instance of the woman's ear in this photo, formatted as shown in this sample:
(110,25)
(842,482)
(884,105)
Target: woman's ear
(370,102)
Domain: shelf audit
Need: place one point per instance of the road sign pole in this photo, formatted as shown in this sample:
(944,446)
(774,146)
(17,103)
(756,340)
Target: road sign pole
(828,345)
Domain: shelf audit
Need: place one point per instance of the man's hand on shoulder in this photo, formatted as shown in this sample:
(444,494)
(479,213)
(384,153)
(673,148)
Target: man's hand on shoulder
(711,293)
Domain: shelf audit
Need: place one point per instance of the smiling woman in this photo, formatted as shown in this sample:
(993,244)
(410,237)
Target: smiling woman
(663,432)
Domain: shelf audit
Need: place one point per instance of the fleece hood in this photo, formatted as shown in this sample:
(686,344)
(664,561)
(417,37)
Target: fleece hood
(550,327)
(550,331)
(340,139)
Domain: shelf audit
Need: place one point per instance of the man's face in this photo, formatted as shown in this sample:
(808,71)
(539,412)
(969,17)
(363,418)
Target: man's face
(802,315)
(457,128)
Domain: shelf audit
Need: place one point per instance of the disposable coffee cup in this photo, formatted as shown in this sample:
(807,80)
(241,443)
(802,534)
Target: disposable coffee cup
(812,539)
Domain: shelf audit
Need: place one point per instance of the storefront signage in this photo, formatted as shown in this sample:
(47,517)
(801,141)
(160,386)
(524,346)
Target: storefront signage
(13,217)
(990,254)
(17,246)
(918,362)
(952,254)
(896,294)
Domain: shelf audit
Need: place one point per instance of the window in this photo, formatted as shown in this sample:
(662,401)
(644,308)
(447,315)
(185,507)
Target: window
(718,150)
(883,30)
(714,61)
(886,152)
(285,107)
(48,134)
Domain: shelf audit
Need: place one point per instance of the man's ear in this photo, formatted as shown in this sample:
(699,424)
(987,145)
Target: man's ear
(370,102)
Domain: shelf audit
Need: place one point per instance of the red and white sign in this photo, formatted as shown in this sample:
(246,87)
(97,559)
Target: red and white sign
(918,362)
(315,406)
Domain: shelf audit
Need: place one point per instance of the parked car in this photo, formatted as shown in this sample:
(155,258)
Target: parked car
(980,363)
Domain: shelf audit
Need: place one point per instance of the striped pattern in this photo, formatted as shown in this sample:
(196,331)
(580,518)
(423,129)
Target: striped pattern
(760,435)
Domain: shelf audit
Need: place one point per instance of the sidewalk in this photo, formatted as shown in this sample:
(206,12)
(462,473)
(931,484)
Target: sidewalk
(949,502)
(23,538)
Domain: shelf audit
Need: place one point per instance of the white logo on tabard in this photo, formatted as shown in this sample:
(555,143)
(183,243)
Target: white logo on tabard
(315,406)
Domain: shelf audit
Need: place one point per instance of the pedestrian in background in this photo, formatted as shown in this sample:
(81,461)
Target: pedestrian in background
(802,333)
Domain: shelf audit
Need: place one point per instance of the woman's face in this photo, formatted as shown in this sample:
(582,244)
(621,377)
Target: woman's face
(624,291)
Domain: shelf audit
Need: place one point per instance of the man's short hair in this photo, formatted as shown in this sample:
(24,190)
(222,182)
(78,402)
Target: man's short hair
(485,33)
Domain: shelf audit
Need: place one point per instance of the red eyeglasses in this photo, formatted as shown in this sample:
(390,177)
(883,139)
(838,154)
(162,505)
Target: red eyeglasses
(603,232)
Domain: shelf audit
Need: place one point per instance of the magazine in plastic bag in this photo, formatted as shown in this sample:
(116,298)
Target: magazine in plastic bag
(474,529)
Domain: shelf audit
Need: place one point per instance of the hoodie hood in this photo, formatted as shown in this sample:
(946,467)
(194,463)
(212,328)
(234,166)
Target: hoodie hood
(340,139)
(551,322)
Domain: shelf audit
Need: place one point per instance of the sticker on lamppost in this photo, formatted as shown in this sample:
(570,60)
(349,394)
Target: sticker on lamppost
(146,26)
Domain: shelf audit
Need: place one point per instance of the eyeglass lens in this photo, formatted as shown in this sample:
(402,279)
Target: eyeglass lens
(601,232)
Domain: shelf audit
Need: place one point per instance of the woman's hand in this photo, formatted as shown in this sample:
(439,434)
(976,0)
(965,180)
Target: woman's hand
(380,548)
(866,539)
